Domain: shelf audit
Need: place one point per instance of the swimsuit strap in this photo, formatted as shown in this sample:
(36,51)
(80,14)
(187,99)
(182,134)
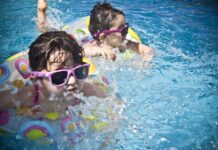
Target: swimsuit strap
(36,98)
(36,102)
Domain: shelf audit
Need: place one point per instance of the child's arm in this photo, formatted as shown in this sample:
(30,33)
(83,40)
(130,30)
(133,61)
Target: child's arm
(105,51)
(8,99)
(145,51)
(92,90)
(41,14)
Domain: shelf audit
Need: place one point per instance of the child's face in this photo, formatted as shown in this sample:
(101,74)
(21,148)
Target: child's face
(61,60)
(116,39)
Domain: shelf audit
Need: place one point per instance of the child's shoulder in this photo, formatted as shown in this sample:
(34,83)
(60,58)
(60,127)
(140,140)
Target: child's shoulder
(90,89)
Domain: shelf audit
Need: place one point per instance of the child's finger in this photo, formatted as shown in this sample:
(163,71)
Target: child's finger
(111,55)
(103,54)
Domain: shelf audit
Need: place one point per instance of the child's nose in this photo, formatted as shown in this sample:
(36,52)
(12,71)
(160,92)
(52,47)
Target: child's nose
(71,80)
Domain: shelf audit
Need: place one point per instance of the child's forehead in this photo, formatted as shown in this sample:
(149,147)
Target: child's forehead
(60,59)
(59,55)
(118,20)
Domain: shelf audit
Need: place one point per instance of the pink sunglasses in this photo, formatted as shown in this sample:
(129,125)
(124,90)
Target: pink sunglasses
(123,30)
(60,77)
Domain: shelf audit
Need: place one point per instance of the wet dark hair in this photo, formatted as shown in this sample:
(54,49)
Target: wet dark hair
(101,17)
(50,42)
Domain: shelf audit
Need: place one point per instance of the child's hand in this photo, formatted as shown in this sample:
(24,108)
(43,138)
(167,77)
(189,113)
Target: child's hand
(146,52)
(42,4)
(41,8)
(107,53)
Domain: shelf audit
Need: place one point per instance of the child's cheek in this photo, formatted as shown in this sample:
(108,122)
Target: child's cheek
(52,88)
(80,85)
(114,40)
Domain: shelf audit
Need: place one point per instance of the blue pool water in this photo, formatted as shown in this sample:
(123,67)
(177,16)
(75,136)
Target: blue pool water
(171,103)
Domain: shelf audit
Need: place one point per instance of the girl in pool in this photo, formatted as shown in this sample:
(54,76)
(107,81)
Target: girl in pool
(58,72)
(108,28)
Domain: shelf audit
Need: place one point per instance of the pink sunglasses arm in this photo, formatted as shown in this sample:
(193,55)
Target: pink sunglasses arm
(38,74)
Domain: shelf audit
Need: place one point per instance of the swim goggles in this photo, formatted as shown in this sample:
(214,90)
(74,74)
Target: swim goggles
(122,29)
(60,77)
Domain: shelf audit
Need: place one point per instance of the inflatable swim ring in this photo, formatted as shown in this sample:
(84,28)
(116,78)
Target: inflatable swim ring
(75,127)
(35,130)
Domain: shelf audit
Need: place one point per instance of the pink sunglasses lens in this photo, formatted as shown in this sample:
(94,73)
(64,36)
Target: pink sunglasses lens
(59,78)
(81,72)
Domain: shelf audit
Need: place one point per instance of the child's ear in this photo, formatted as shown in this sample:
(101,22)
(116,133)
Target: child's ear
(102,37)
(33,79)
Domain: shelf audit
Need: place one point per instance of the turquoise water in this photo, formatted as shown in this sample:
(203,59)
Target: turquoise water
(170,103)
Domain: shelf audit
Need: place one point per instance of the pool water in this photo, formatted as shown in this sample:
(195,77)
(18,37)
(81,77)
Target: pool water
(170,103)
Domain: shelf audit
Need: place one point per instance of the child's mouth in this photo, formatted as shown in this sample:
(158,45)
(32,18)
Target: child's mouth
(72,90)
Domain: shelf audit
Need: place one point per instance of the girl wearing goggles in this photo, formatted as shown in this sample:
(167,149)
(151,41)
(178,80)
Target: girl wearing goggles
(57,68)
(108,28)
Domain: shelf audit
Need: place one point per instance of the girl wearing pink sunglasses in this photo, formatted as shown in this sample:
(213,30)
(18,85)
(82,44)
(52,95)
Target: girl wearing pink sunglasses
(108,28)
(57,69)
